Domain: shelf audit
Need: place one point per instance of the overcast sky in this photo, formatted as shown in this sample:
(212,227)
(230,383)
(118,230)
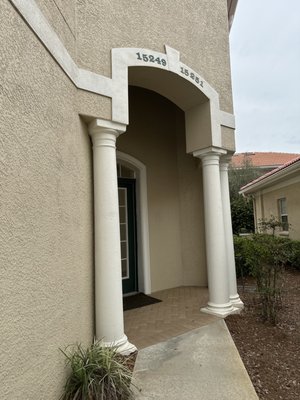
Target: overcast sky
(265,61)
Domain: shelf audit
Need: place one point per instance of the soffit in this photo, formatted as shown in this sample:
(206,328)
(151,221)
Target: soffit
(166,83)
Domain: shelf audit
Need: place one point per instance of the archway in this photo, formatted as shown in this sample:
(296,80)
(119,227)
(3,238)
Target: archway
(203,139)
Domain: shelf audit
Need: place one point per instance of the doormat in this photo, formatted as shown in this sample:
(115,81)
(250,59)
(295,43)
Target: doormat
(138,300)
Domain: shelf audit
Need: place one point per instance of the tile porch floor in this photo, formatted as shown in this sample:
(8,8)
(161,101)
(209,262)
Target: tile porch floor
(179,312)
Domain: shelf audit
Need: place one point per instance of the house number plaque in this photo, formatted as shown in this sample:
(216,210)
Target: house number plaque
(151,58)
(192,75)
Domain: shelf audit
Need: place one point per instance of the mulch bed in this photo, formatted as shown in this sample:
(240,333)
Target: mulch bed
(271,354)
(129,361)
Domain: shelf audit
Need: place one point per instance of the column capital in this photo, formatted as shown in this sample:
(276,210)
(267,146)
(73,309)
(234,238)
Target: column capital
(224,162)
(104,132)
(209,152)
(98,125)
(226,158)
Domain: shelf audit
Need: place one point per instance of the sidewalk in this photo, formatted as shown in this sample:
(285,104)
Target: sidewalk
(202,364)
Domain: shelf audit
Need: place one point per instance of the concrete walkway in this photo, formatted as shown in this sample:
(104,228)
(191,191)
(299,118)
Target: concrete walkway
(201,364)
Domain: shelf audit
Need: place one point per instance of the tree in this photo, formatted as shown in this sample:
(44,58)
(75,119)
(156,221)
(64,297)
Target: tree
(242,207)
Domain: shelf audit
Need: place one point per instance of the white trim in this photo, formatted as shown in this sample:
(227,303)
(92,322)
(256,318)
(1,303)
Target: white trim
(280,185)
(103,123)
(227,119)
(144,277)
(81,78)
(117,87)
(263,185)
(209,150)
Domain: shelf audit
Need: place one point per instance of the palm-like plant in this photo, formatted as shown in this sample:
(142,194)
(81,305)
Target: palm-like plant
(97,373)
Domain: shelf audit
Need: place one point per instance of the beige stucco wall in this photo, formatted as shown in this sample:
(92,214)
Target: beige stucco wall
(61,15)
(191,212)
(198,29)
(228,139)
(267,204)
(156,137)
(46,257)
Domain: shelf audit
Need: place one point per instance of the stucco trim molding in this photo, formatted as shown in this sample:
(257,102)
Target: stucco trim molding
(117,87)
(144,275)
(227,119)
(81,78)
(209,150)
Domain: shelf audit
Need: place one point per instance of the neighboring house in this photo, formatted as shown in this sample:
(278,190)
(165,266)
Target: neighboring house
(277,194)
(264,161)
(117,128)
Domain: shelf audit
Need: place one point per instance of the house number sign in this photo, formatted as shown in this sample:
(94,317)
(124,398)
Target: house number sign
(150,58)
(192,75)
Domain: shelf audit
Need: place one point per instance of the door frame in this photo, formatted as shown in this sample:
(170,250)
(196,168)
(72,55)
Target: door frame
(142,223)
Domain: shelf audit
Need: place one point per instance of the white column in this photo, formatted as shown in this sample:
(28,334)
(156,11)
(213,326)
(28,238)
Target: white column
(108,277)
(233,294)
(218,284)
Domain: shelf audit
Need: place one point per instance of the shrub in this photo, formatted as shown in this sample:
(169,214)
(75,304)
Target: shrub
(294,254)
(97,373)
(264,257)
(241,251)
(271,224)
(242,214)
(272,253)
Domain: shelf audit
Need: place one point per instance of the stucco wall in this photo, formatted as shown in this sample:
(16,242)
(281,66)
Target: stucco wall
(267,205)
(156,137)
(198,29)
(46,257)
(61,15)
(191,212)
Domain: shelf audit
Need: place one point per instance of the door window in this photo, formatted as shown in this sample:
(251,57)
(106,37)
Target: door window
(123,231)
(128,240)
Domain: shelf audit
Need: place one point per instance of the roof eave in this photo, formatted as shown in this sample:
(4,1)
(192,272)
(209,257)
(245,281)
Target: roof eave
(231,7)
(269,180)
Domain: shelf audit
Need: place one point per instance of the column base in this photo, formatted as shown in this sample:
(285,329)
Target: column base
(236,301)
(220,310)
(122,345)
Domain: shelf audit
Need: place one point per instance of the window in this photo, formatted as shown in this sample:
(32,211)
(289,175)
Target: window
(283,214)
(125,172)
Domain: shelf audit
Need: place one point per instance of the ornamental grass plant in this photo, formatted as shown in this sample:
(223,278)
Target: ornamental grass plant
(97,373)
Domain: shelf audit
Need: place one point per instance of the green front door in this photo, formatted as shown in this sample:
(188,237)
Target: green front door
(127,209)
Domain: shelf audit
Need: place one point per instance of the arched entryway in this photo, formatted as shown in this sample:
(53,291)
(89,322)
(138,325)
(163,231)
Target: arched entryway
(202,140)
(156,137)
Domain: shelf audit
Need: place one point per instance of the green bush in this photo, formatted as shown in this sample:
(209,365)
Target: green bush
(294,254)
(250,251)
(97,373)
(264,257)
(242,214)
(242,248)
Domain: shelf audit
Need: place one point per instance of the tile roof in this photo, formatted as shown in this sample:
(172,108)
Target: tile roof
(273,172)
(263,159)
